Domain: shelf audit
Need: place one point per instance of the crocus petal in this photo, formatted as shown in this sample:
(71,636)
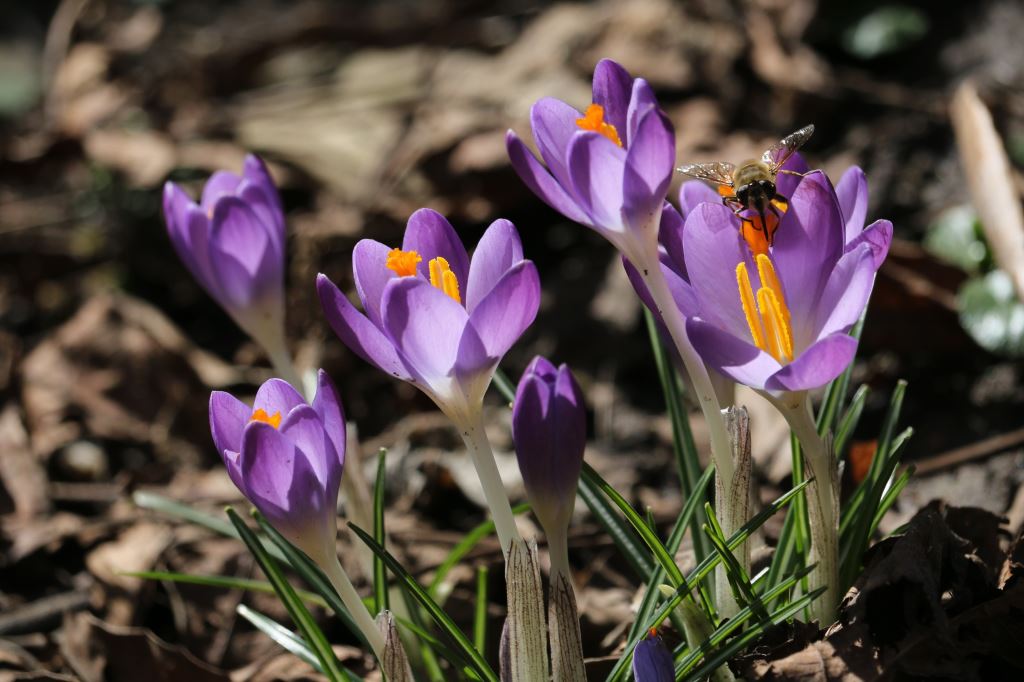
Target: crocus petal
(189,230)
(670,235)
(846,293)
(429,234)
(369,270)
(357,332)
(328,405)
(510,307)
(649,163)
(258,190)
(220,184)
(228,417)
(877,235)
(554,123)
(597,168)
(303,427)
(713,247)
(652,661)
(277,395)
(612,85)
(735,358)
(693,193)
(641,102)
(426,325)
(496,252)
(807,246)
(817,365)
(247,263)
(852,191)
(786,183)
(540,181)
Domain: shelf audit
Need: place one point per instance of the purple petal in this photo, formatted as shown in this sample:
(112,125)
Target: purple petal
(785,183)
(540,181)
(853,200)
(846,293)
(303,427)
(328,405)
(429,234)
(496,252)
(277,395)
(221,184)
(735,358)
(371,275)
(649,163)
(807,246)
(258,189)
(693,193)
(877,235)
(597,167)
(245,262)
(670,235)
(357,332)
(511,306)
(641,102)
(228,417)
(189,230)
(426,325)
(554,123)
(612,87)
(652,661)
(821,363)
(713,247)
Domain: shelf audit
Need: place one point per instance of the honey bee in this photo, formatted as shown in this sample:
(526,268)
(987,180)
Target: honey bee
(751,185)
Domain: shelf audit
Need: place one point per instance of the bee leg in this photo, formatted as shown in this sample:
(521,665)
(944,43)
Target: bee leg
(789,172)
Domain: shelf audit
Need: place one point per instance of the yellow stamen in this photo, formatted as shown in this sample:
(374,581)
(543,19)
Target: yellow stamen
(766,271)
(260,415)
(749,309)
(442,277)
(780,343)
(402,263)
(593,120)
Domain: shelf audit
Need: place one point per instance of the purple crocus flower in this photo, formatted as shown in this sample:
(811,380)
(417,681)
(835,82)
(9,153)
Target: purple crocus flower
(652,661)
(433,317)
(286,457)
(233,242)
(549,427)
(609,167)
(779,321)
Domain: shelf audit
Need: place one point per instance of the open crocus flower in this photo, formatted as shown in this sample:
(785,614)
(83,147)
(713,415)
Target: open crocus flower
(433,317)
(233,242)
(608,167)
(286,457)
(779,321)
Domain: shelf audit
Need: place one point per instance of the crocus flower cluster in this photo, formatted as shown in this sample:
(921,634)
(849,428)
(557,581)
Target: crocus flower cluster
(608,167)
(233,242)
(433,317)
(286,456)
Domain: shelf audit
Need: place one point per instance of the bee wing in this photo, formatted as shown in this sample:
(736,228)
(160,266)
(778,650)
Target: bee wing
(715,171)
(779,153)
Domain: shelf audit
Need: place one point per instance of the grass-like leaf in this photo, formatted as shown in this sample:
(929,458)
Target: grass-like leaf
(849,421)
(284,637)
(224,581)
(480,613)
(738,579)
(311,633)
(622,534)
(380,576)
(463,646)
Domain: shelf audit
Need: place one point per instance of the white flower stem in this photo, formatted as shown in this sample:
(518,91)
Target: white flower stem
(284,367)
(721,455)
(356,608)
(558,553)
(475,438)
(823,507)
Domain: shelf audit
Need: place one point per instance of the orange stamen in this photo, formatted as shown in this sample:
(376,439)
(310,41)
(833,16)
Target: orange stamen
(402,263)
(442,277)
(260,415)
(749,307)
(767,315)
(593,120)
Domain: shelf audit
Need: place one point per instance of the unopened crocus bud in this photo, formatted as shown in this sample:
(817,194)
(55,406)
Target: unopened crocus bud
(286,456)
(233,242)
(549,427)
(652,661)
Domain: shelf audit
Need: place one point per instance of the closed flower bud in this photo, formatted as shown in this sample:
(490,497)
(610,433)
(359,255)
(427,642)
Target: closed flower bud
(652,661)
